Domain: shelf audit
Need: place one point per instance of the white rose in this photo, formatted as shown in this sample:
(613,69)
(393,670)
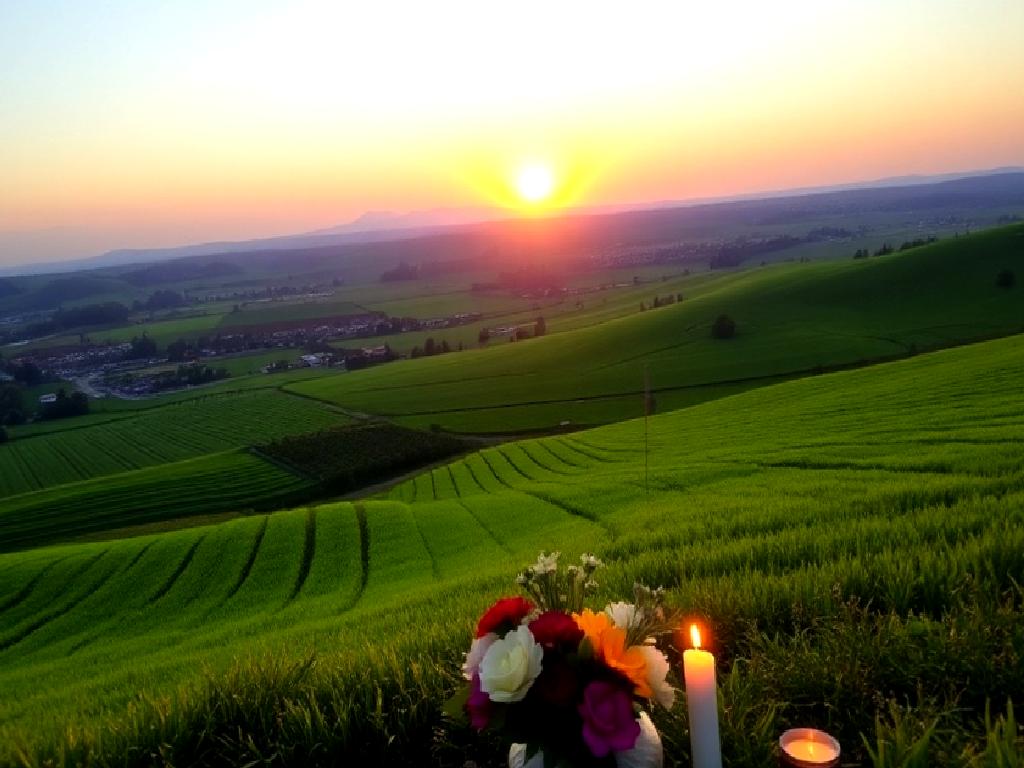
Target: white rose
(510,666)
(476,654)
(624,615)
(657,671)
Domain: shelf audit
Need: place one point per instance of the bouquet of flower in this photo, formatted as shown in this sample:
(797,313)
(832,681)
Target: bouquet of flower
(563,681)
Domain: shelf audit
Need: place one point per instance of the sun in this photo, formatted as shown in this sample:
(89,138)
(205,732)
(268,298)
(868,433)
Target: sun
(535,182)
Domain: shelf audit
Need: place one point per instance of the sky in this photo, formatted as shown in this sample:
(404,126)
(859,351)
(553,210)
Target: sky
(131,123)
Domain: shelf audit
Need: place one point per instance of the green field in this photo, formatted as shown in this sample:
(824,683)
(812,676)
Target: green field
(791,318)
(259,313)
(855,541)
(181,430)
(210,485)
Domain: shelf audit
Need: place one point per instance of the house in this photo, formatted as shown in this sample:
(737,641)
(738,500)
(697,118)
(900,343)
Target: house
(47,399)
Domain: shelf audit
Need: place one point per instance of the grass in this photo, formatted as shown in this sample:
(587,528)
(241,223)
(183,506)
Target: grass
(267,312)
(854,542)
(178,431)
(792,319)
(211,484)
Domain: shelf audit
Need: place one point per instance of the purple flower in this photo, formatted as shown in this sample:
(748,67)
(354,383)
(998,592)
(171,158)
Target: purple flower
(609,723)
(478,706)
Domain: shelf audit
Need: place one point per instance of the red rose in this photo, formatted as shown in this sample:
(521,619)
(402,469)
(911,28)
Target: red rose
(555,629)
(506,614)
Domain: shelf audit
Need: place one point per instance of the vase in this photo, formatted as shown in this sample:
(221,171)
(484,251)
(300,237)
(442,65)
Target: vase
(646,753)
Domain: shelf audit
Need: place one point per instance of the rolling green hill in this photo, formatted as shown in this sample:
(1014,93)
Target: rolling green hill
(792,319)
(180,430)
(855,541)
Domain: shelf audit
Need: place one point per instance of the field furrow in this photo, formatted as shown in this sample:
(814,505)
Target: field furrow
(335,571)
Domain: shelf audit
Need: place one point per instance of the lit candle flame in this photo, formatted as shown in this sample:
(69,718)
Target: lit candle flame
(695,635)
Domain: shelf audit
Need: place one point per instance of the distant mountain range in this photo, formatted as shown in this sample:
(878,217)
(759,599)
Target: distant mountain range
(379,226)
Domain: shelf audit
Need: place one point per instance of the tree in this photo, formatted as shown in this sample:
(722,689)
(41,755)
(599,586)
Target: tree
(77,404)
(1006,279)
(28,373)
(12,405)
(4,437)
(724,327)
(484,336)
(164,299)
(429,348)
(141,348)
(540,327)
(177,351)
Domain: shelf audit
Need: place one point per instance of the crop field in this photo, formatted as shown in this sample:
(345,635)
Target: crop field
(269,312)
(791,318)
(561,313)
(211,484)
(182,430)
(349,457)
(854,542)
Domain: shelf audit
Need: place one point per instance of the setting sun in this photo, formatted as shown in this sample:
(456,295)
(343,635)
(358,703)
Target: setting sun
(535,183)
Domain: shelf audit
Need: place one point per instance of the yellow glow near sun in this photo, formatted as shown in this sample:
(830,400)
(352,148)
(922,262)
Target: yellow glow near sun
(535,183)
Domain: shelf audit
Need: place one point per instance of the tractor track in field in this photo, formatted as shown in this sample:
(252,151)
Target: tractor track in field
(308,553)
(570,510)
(544,444)
(472,477)
(472,474)
(183,564)
(250,561)
(455,485)
(517,468)
(364,552)
(41,621)
(497,477)
(435,569)
(23,594)
(486,528)
(546,467)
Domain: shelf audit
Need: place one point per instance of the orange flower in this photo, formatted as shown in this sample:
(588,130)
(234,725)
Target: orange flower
(609,643)
(594,625)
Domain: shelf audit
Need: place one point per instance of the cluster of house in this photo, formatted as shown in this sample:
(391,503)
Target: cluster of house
(336,358)
(67,362)
(460,318)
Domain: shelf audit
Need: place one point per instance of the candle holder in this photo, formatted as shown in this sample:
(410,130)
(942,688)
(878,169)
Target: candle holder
(808,748)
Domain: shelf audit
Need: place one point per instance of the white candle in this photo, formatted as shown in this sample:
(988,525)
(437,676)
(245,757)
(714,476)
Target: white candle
(702,701)
(805,747)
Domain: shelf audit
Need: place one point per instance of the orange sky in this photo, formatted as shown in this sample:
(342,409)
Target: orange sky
(126,126)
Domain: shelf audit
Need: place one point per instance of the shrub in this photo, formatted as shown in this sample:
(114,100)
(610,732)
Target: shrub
(1006,279)
(724,327)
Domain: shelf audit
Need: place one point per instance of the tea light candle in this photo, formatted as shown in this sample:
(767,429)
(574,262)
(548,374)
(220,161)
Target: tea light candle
(808,748)
(702,701)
